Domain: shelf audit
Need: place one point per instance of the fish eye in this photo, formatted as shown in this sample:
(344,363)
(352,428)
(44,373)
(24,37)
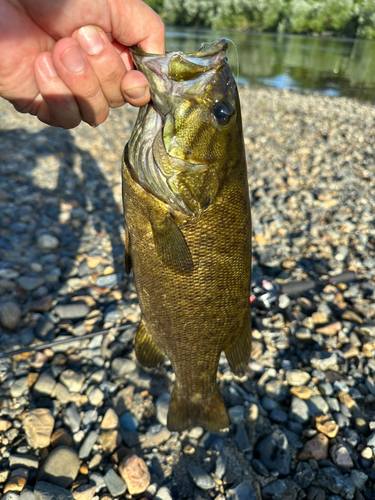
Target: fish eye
(222,111)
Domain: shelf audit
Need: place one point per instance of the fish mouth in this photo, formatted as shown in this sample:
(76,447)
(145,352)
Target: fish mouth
(174,72)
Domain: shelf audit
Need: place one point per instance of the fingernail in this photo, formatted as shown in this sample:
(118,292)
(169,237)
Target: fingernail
(135,92)
(46,67)
(72,59)
(90,40)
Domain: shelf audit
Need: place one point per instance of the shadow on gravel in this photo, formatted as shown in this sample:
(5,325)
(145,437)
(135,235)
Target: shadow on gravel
(54,186)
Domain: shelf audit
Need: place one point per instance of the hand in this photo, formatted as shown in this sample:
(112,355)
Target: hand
(66,61)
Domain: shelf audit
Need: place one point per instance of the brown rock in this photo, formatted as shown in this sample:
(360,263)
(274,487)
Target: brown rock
(346,398)
(61,437)
(302,392)
(110,420)
(93,261)
(325,426)
(43,304)
(5,425)
(331,329)
(340,456)
(319,318)
(16,483)
(134,472)
(352,352)
(316,448)
(110,440)
(3,476)
(352,316)
(38,425)
(368,349)
(32,377)
(124,400)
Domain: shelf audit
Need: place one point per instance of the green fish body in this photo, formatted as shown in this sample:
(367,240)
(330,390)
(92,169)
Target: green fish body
(188,228)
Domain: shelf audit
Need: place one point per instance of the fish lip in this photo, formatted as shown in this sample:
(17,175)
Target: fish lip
(217,47)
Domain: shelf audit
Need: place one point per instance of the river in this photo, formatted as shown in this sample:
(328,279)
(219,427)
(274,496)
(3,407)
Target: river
(334,66)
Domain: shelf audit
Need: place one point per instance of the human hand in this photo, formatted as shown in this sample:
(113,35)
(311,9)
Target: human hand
(66,61)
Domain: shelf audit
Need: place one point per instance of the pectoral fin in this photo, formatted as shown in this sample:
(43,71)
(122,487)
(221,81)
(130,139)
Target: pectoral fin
(128,262)
(171,245)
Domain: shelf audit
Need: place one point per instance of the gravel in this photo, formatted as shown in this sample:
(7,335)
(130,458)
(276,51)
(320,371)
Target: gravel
(302,419)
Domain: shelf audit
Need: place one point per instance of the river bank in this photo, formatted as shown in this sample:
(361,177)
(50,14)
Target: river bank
(312,186)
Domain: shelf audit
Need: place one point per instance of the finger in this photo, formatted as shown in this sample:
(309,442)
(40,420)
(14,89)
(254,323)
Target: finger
(146,29)
(57,105)
(74,69)
(135,89)
(105,61)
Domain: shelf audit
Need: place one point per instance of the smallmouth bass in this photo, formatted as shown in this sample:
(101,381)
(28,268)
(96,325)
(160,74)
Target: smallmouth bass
(188,228)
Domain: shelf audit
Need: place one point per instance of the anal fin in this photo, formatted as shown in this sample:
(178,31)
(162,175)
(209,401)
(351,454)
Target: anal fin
(147,352)
(239,350)
(187,411)
(171,245)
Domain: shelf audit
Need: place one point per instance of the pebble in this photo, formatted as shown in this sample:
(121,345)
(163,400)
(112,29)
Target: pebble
(84,492)
(109,281)
(72,380)
(47,242)
(274,452)
(316,448)
(336,482)
(156,434)
(317,405)
(61,437)
(359,479)
(324,361)
(134,472)
(299,410)
(23,460)
(281,489)
(60,467)
(45,385)
(110,440)
(302,392)
(304,475)
(129,422)
(201,478)
(243,491)
(326,426)
(38,425)
(110,420)
(121,367)
(96,397)
(236,414)
(162,406)
(47,491)
(30,283)
(19,387)
(87,445)
(115,484)
(10,314)
(163,494)
(340,456)
(72,418)
(297,378)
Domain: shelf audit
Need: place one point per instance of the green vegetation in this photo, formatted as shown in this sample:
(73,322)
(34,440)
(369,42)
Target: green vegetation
(339,17)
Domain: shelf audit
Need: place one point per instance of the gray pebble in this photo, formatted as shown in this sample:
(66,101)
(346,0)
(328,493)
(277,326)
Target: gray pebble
(88,444)
(277,390)
(10,495)
(359,479)
(236,414)
(260,468)
(281,489)
(162,406)
(157,434)
(297,378)
(23,460)
(324,360)
(27,494)
(30,282)
(332,479)
(279,416)
(304,475)
(317,405)
(48,491)
(10,314)
(268,403)
(45,385)
(325,388)
(115,484)
(47,242)
(19,387)
(72,418)
(44,329)
(274,452)
(74,310)
(60,467)
(242,438)
(201,478)
(333,404)
(121,367)
(243,491)
(99,481)
(109,280)
(299,410)
(221,465)
(371,440)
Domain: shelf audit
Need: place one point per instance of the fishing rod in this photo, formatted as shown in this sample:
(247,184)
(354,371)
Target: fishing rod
(41,347)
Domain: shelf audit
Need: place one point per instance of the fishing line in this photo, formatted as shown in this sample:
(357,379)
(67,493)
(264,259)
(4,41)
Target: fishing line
(41,347)
(235,48)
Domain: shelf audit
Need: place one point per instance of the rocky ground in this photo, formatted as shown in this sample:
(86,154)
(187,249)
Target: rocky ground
(82,420)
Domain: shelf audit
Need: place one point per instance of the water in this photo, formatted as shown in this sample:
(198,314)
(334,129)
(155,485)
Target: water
(333,66)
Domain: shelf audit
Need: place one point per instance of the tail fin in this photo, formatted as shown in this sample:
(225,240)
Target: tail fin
(187,411)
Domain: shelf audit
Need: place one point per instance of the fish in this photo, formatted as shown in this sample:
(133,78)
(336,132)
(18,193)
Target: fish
(188,228)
